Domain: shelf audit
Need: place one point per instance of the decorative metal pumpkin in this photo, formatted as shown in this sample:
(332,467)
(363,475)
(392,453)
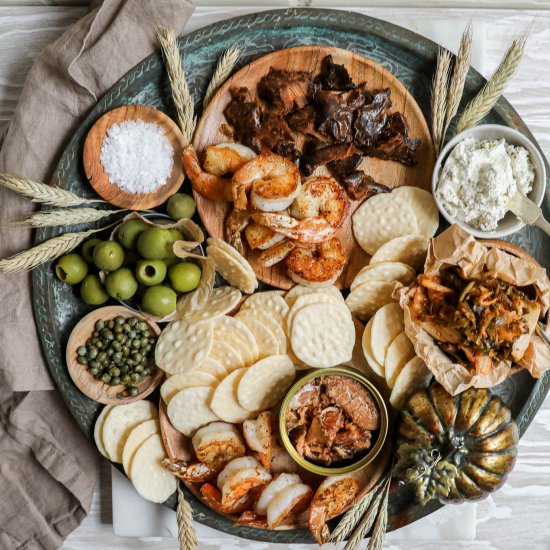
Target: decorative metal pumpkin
(455,448)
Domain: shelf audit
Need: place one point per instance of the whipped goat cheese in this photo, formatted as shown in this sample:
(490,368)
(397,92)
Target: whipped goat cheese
(478,179)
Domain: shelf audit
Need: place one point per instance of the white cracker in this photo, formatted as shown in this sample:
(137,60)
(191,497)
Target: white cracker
(98,429)
(387,323)
(119,423)
(270,302)
(300,290)
(384,271)
(234,253)
(225,402)
(368,297)
(137,436)
(190,409)
(231,329)
(414,376)
(270,323)
(221,301)
(265,383)
(400,352)
(151,480)
(213,367)
(323,335)
(232,270)
(314,298)
(226,354)
(183,345)
(178,382)
(381,219)
(410,249)
(265,340)
(365,341)
(424,207)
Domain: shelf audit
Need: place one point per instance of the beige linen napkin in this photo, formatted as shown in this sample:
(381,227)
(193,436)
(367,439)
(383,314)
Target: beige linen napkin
(47,467)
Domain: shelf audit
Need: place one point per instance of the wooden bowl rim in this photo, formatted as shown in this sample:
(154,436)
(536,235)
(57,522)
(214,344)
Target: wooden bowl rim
(103,393)
(98,178)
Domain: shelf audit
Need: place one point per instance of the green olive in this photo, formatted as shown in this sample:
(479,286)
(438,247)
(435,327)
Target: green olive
(88,249)
(121,284)
(184,276)
(92,290)
(71,269)
(180,206)
(108,255)
(159,300)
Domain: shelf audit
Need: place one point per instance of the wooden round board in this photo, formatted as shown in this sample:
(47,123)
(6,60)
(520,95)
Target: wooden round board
(392,174)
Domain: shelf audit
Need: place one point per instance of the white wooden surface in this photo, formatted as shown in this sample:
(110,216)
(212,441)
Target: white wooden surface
(516,517)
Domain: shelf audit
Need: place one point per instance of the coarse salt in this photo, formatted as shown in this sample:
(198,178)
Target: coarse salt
(137,156)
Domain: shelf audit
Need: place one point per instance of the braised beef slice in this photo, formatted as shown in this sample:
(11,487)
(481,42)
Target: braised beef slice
(273,133)
(399,148)
(305,121)
(333,76)
(371,119)
(281,90)
(334,115)
(312,158)
(360,186)
(344,167)
(244,115)
(359,96)
(355,400)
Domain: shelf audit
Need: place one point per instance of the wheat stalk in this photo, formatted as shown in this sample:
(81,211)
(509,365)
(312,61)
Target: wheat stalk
(379,532)
(55,218)
(348,523)
(225,65)
(458,79)
(181,95)
(486,98)
(44,252)
(439,95)
(40,192)
(186,530)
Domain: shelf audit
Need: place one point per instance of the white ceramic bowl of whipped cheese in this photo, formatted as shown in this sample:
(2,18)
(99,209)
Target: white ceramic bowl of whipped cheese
(476,173)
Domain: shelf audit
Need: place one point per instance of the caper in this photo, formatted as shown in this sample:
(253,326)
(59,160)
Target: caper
(130,362)
(95,333)
(117,356)
(148,348)
(114,381)
(136,377)
(100,345)
(82,360)
(124,369)
(89,342)
(93,370)
(126,327)
(142,325)
(120,320)
(136,343)
(126,379)
(117,329)
(98,375)
(110,324)
(82,350)
(92,353)
(114,371)
(132,321)
(99,324)
(133,391)
(102,356)
(106,377)
(125,351)
(94,365)
(139,368)
(117,346)
(143,342)
(120,337)
(137,357)
(110,352)
(132,334)
(147,371)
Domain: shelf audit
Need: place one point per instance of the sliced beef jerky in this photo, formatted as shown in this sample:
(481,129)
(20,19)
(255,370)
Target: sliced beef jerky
(360,186)
(333,76)
(335,116)
(244,116)
(282,90)
(312,158)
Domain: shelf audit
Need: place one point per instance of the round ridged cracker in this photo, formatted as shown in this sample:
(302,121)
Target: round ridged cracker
(387,323)
(234,330)
(226,354)
(151,480)
(366,299)
(265,340)
(98,429)
(178,382)
(367,351)
(119,423)
(323,335)
(233,252)
(190,409)
(381,219)
(225,401)
(183,345)
(270,302)
(410,249)
(424,207)
(137,436)
(300,290)
(400,352)
(233,271)
(270,323)
(315,298)
(384,271)
(414,376)
(221,301)
(265,383)
(212,366)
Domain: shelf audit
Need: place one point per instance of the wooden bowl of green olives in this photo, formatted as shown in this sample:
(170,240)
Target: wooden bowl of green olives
(110,355)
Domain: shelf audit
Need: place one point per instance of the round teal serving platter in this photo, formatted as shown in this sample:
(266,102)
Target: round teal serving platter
(408,56)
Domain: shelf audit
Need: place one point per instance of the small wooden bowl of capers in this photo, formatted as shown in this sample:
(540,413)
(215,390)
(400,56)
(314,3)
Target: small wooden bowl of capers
(110,355)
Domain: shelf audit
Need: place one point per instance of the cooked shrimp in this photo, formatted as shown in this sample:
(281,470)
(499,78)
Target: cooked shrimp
(322,196)
(271,490)
(235,224)
(219,441)
(288,503)
(226,158)
(320,266)
(212,187)
(241,483)
(309,230)
(196,472)
(273,180)
(234,466)
(251,519)
(213,498)
(260,237)
(277,253)
(332,497)
(257,434)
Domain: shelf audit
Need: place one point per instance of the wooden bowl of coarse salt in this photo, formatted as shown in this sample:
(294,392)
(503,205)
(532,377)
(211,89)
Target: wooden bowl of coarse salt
(132,157)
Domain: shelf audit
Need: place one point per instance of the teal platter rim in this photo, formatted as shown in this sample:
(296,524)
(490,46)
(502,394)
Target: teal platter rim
(407,55)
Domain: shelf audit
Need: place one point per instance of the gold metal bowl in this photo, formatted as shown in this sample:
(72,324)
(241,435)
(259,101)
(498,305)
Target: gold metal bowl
(364,460)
